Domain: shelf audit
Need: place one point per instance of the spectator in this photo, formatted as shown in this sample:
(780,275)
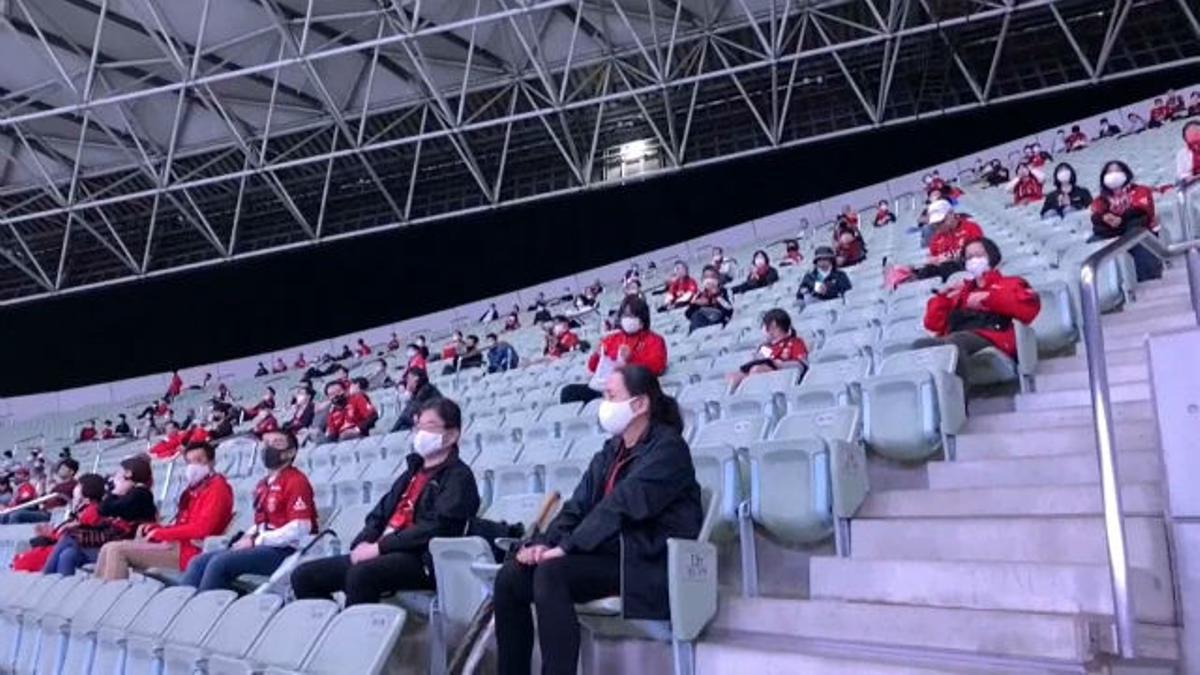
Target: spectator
(586,301)
(849,216)
(6,490)
(782,350)
(262,370)
(850,248)
(415,394)
(501,356)
(1136,124)
(285,512)
(997,174)
(1160,112)
(107,432)
(1187,160)
(362,350)
(979,311)
(1175,104)
(423,346)
(1107,130)
(491,314)
(539,300)
(436,496)
(303,410)
(351,413)
(454,347)
(1036,157)
(203,384)
(300,363)
(27,491)
(633,288)
(825,281)
(205,510)
(761,274)
(279,367)
(84,499)
(512,322)
(85,523)
(1060,142)
(561,340)
(791,253)
(264,423)
(122,427)
(1193,108)
(347,353)
(174,387)
(267,402)
(393,343)
(711,306)
(1067,195)
(335,416)
(24,490)
(220,424)
(1028,188)
(1122,207)
(416,358)
(610,536)
(64,485)
(173,439)
(951,233)
(680,289)
(634,344)
(883,214)
(472,357)
(1077,140)
(88,432)
(722,265)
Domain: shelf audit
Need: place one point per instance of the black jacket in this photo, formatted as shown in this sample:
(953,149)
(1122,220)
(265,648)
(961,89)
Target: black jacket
(448,502)
(1079,198)
(135,506)
(656,497)
(425,393)
(836,285)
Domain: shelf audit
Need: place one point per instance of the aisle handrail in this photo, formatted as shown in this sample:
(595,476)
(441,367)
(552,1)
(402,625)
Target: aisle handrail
(1093,338)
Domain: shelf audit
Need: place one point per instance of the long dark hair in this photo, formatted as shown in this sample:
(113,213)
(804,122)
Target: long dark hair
(632,305)
(663,409)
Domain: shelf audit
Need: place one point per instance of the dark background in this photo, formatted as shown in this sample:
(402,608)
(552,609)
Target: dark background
(217,313)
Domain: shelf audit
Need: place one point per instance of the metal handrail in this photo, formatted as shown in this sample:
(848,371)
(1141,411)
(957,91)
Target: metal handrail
(1093,338)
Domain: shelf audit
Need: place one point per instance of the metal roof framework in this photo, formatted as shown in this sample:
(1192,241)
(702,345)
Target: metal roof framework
(142,137)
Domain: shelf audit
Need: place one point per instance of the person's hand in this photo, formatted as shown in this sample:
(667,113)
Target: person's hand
(1111,219)
(42,530)
(976,300)
(623,353)
(551,554)
(364,552)
(530,555)
(143,530)
(819,288)
(1064,199)
(244,542)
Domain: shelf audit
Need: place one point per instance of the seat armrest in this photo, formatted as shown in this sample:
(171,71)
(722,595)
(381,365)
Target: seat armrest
(952,401)
(691,586)
(1027,348)
(850,482)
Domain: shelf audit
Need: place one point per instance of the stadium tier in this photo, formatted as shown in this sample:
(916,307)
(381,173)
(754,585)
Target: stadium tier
(892,505)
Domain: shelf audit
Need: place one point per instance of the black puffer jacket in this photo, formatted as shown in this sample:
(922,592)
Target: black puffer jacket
(427,392)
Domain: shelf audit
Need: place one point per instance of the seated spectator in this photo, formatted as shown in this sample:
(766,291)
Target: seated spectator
(996,174)
(850,248)
(634,344)
(279,367)
(347,353)
(633,289)
(267,402)
(849,216)
(205,510)
(416,358)
(951,233)
(219,425)
(490,314)
(1175,104)
(1028,188)
(362,350)
(122,428)
(262,370)
(539,300)
(24,490)
(285,513)
(825,281)
(1037,158)
(175,386)
(302,412)
(422,346)
(1123,207)
(1160,112)
(394,343)
(610,538)
(1077,140)
(376,373)
(173,439)
(1136,124)
(586,301)
(512,322)
(782,350)
(1187,160)
(1193,108)
(1107,129)
(351,414)
(711,305)
(791,253)
(680,289)
(88,432)
(64,488)
(1067,195)
(436,496)
(883,214)
(454,347)
(561,340)
(107,433)
(469,356)
(1060,142)
(722,265)
(761,274)
(979,311)
(501,356)
(300,363)
(416,392)
(84,501)
(264,422)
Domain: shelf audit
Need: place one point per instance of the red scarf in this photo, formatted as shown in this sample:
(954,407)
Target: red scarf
(1195,148)
(1120,200)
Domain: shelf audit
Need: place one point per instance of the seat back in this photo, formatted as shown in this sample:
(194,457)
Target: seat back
(837,372)
(791,490)
(131,601)
(289,636)
(768,383)
(161,610)
(738,432)
(564,475)
(235,631)
(901,418)
(359,640)
(943,358)
(197,617)
(837,423)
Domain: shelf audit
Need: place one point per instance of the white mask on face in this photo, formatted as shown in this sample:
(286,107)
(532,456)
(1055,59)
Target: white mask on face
(977,266)
(615,416)
(631,324)
(196,473)
(1114,180)
(1063,177)
(560,329)
(426,443)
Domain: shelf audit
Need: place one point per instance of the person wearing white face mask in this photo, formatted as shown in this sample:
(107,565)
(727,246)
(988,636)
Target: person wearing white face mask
(205,510)
(761,274)
(1067,195)
(1122,207)
(1027,189)
(824,281)
(436,496)
(633,344)
(781,349)
(711,305)
(979,311)
(610,538)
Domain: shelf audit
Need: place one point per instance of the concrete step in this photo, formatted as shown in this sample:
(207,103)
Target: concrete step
(1058,417)
(1058,500)
(1022,441)
(1056,540)
(993,633)
(1018,587)
(1078,378)
(1112,357)
(723,652)
(1071,398)
(1164,319)
(1065,469)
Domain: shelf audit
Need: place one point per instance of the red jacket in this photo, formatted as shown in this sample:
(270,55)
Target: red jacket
(789,348)
(681,286)
(363,349)
(646,349)
(1009,297)
(205,510)
(951,242)
(25,492)
(417,361)
(1028,190)
(266,425)
(169,446)
(87,434)
(175,387)
(562,344)
(1160,113)
(359,409)
(1134,205)
(289,497)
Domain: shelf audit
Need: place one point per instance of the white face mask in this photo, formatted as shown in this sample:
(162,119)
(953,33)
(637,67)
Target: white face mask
(411,353)
(1063,177)
(426,443)
(976,266)
(560,329)
(1114,180)
(196,473)
(615,416)
(631,324)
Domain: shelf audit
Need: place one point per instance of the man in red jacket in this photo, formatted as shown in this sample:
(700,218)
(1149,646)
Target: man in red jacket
(175,387)
(979,312)
(205,510)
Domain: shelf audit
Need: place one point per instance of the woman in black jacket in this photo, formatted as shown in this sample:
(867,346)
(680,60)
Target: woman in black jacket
(419,391)
(1067,196)
(825,281)
(610,537)
(435,497)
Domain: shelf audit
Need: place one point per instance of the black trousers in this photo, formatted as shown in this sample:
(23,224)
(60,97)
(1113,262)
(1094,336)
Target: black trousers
(966,342)
(578,393)
(365,582)
(554,588)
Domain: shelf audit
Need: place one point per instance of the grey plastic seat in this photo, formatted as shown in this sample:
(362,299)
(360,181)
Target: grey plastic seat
(840,423)
(738,432)
(358,640)
(992,366)
(915,406)
(1055,325)
(703,395)
(29,630)
(74,633)
(143,652)
(44,649)
(12,618)
(231,636)
(564,475)
(83,642)
(526,474)
(283,644)
(830,383)
(156,614)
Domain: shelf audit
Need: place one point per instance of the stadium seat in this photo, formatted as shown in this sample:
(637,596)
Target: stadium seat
(915,405)
(283,644)
(83,644)
(737,433)
(1055,325)
(357,640)
(15,608)
(231,636)
(153,618)
(563,476)
(28,628)
(188,629)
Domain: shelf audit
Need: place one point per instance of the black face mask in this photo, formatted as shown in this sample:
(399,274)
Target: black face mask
(339,400)
(273,457)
